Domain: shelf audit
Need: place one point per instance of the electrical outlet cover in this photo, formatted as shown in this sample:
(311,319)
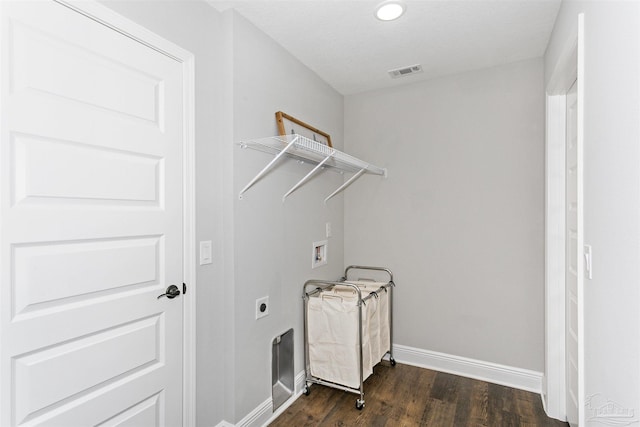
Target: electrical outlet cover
(262,307)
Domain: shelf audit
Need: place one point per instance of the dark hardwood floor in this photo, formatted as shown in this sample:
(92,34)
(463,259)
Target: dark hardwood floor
(408,396)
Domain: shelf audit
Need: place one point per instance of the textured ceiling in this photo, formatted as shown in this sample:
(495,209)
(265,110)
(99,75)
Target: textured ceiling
(352,50)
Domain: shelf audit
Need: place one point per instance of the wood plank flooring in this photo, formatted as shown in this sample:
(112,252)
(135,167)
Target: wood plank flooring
(408,396)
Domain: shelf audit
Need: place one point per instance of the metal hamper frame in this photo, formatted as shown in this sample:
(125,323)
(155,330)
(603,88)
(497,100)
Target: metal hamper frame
(323,285)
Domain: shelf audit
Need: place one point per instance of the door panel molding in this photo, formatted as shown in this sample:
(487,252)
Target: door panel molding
(130,29)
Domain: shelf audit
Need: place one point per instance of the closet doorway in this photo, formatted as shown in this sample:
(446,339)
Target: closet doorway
(565,261)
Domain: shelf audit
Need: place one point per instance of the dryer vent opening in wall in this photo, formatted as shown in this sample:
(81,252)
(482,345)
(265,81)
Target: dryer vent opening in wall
(405,71)
(282,375)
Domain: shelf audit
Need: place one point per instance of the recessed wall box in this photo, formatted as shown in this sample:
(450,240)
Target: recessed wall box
(320,254)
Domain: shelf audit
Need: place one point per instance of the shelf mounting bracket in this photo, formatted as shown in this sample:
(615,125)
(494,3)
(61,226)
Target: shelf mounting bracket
(266,169)
(308,176)
(346,184)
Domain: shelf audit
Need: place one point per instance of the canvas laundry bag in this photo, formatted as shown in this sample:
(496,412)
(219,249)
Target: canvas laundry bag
(379,318)
(332,330)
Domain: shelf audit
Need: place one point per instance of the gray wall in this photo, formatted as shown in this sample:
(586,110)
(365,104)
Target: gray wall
(611,192)
(272,240)
(261,245)
(460,218)
(202,37)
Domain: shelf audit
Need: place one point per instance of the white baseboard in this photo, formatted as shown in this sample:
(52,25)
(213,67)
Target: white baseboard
(263,414)
(258,416)
(224,424)
(519,378)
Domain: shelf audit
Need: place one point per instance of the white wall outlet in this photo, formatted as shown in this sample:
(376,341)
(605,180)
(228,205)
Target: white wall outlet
(327,227)
(205,252)
(262,307)
(320,254)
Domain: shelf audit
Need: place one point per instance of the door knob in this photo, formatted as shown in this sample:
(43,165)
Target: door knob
(171,292)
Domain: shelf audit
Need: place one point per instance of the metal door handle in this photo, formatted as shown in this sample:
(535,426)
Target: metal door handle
(171,292)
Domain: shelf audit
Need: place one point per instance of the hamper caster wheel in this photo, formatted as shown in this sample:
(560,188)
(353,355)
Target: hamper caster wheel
(393,361)
(359,404)
(306,391)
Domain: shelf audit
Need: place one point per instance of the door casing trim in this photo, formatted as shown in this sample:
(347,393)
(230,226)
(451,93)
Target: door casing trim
(569,66)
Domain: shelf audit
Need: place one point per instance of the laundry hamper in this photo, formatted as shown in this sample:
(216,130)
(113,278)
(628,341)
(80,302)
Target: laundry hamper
(347,330)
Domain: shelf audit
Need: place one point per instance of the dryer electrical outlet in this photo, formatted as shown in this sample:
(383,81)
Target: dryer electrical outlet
(262,307)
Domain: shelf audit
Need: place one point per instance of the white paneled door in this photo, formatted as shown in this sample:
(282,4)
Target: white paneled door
(91,223)
(574,264)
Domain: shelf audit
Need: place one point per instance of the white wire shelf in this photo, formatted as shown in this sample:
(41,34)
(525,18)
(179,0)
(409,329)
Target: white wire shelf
(309,151)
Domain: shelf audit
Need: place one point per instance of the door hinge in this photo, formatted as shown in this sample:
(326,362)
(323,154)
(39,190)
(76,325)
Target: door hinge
(184,288)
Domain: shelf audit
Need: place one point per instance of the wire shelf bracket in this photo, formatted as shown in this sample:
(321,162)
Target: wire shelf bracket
(305,150)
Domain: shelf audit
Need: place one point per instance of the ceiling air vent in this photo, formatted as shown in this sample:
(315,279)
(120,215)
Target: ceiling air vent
(405,71)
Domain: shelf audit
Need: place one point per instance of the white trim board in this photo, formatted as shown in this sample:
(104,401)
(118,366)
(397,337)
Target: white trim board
(519,378)
(259,416)
(569,65)
(262,415)
(553,393)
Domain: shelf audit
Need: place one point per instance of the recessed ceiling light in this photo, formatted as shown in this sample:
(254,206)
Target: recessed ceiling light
(390,10)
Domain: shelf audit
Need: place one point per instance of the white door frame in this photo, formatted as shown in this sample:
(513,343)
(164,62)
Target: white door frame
(569,66)
(118,23)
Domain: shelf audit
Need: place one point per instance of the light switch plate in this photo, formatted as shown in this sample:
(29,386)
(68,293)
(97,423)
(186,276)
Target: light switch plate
(205,252)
